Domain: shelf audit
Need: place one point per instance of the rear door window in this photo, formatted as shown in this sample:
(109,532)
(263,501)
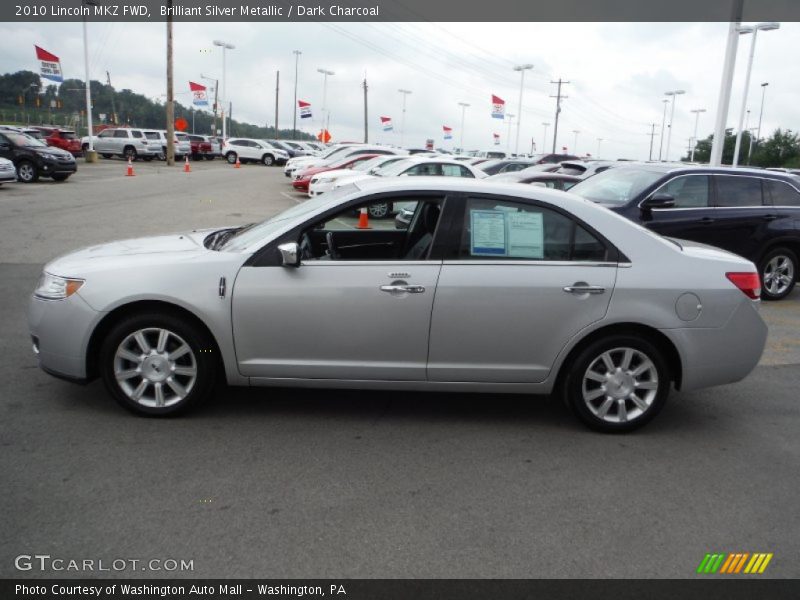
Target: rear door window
(121,133)
(736,191)
(136,134)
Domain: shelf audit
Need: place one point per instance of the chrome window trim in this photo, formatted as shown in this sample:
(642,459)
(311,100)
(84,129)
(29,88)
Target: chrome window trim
(538,263)
(365,263)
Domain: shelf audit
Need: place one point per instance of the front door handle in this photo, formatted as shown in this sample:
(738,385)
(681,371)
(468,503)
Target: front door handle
(707,220)
(769,217)
(584,289)
(399,289)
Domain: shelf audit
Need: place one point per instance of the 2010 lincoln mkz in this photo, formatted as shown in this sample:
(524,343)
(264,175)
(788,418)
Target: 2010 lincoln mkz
(488,288)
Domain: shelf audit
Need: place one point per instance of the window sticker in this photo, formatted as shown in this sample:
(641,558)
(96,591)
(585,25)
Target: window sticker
(525,235)
(488,233)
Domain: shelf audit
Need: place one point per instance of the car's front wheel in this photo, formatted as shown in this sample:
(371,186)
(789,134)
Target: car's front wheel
(267,159)
(157,364)
(778,271)
(27,172)
(231,158)
(618,383)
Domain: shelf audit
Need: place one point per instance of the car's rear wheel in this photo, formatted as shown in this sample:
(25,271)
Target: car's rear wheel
(27,172)
(267,159)
(210,157)
(130,153)
(231,158)
(617,383)
(778,271)
(157,364)
(107,155)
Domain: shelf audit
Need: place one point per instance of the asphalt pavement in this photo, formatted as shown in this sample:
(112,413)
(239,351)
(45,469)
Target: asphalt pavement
(329,483)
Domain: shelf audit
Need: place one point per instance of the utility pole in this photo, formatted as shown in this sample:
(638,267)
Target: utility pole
(366,117)
(90,156)
(726,84)
(696,112)
(663,126)
(113,104)
(521,69)
(652,135)
(170,92)
(464,107)
(558,98)
(508,136)
(216,100)
(277,93)
(225,47)
(297,54)
(760,113)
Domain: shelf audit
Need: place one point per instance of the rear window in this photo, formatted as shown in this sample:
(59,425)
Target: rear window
(738,191)
(136,134)
(782,194)
(68,135)
(152,135)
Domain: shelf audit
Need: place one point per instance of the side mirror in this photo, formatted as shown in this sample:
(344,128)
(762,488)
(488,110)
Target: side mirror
(657,201)
(290,254)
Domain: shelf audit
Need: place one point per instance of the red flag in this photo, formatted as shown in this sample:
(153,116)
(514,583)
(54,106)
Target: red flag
(42,54)
(196,87)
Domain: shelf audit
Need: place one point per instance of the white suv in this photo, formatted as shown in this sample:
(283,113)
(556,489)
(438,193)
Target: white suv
(250,150)
(127,143)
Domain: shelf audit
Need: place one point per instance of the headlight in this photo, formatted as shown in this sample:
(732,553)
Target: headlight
(51,156)
(52,287)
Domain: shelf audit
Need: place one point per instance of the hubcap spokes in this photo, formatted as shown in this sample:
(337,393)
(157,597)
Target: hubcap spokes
(155,367)
(620,385)
(778,275)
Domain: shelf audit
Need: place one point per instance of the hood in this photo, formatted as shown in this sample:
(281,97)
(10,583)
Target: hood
(52,150)
(337,173)
(132,252)
(343,181)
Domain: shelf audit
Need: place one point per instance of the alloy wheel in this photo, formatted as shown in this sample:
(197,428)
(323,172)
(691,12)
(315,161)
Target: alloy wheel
(778,274)
(378,211)
(26,172)
(155,367)
(620,385)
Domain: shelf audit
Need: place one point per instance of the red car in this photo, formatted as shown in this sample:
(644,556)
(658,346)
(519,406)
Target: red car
(201,147)
(62,138)
(303,179)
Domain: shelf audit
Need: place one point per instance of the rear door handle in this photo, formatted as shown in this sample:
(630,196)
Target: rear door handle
(769,217)
(584,289)
(707,220)
(409,289)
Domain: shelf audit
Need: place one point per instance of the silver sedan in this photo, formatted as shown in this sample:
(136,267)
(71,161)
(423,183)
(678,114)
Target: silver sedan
(491,288)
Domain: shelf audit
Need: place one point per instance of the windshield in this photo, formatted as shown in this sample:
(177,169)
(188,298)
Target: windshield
(258,233)
(616,186)
(366,165)
(21,139)
(397,168)
(68,135)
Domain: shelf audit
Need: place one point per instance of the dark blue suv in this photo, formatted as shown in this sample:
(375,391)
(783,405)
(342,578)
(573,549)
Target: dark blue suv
(751,212)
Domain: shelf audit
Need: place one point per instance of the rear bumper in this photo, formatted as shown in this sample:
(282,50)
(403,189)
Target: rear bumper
(300,185)
(720,355)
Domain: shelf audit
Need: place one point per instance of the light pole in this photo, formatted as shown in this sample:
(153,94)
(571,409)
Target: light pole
(225,46)
(750,148)
(216,92)
(696,112)
(599,141)
(544,136)
(90,156)
(325,112)
(754,29)
(674,94)
(508,136)
(297,54)
(403,115)
(521,69)
(761,111)
(464,107)
(575,145)
(663,127)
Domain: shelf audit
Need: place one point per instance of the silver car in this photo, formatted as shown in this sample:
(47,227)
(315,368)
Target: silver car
(491,288)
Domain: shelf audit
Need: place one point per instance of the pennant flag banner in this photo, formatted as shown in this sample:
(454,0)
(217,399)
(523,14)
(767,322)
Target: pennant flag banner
(496,139)
(498,107)
(386,123)
(199,97)
(50,65)
(448,132)
(305,109)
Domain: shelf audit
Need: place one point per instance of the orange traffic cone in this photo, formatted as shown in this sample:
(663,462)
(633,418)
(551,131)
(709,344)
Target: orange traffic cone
(186,167)
(237,165)
(363,219)
(130,172)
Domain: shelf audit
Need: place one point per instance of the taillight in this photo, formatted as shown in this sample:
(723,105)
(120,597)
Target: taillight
(749,283)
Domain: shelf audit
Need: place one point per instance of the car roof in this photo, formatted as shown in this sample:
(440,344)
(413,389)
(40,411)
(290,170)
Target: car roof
(669,168)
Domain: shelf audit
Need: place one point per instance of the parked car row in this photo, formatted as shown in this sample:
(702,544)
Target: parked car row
(32,158)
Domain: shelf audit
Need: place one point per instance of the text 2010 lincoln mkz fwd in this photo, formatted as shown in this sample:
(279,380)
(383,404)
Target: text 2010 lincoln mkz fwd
(490,287)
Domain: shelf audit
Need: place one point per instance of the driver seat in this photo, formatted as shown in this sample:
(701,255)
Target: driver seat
(428,220)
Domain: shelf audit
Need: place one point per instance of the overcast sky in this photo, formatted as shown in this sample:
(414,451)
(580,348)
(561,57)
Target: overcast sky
(618,73)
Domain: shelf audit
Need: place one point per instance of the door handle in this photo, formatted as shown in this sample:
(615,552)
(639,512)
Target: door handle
(707,220)
(409,289)
(769,217)
(584,289)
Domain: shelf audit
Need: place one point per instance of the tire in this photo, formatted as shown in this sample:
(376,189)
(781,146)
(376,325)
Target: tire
(130,153)
(231,158)
(210,157)
(195,157)
(379,210)
(778,273)
(147,158)
(27,172)
(185,380)
(604,399)
(268,160)
(107,155)
(60,176)
(85,148)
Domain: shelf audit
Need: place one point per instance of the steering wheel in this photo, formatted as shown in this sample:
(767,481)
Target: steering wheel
(332,250)
(306,250)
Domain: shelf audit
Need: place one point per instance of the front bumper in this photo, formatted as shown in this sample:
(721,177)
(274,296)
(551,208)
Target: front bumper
(61,330)
(48,166)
